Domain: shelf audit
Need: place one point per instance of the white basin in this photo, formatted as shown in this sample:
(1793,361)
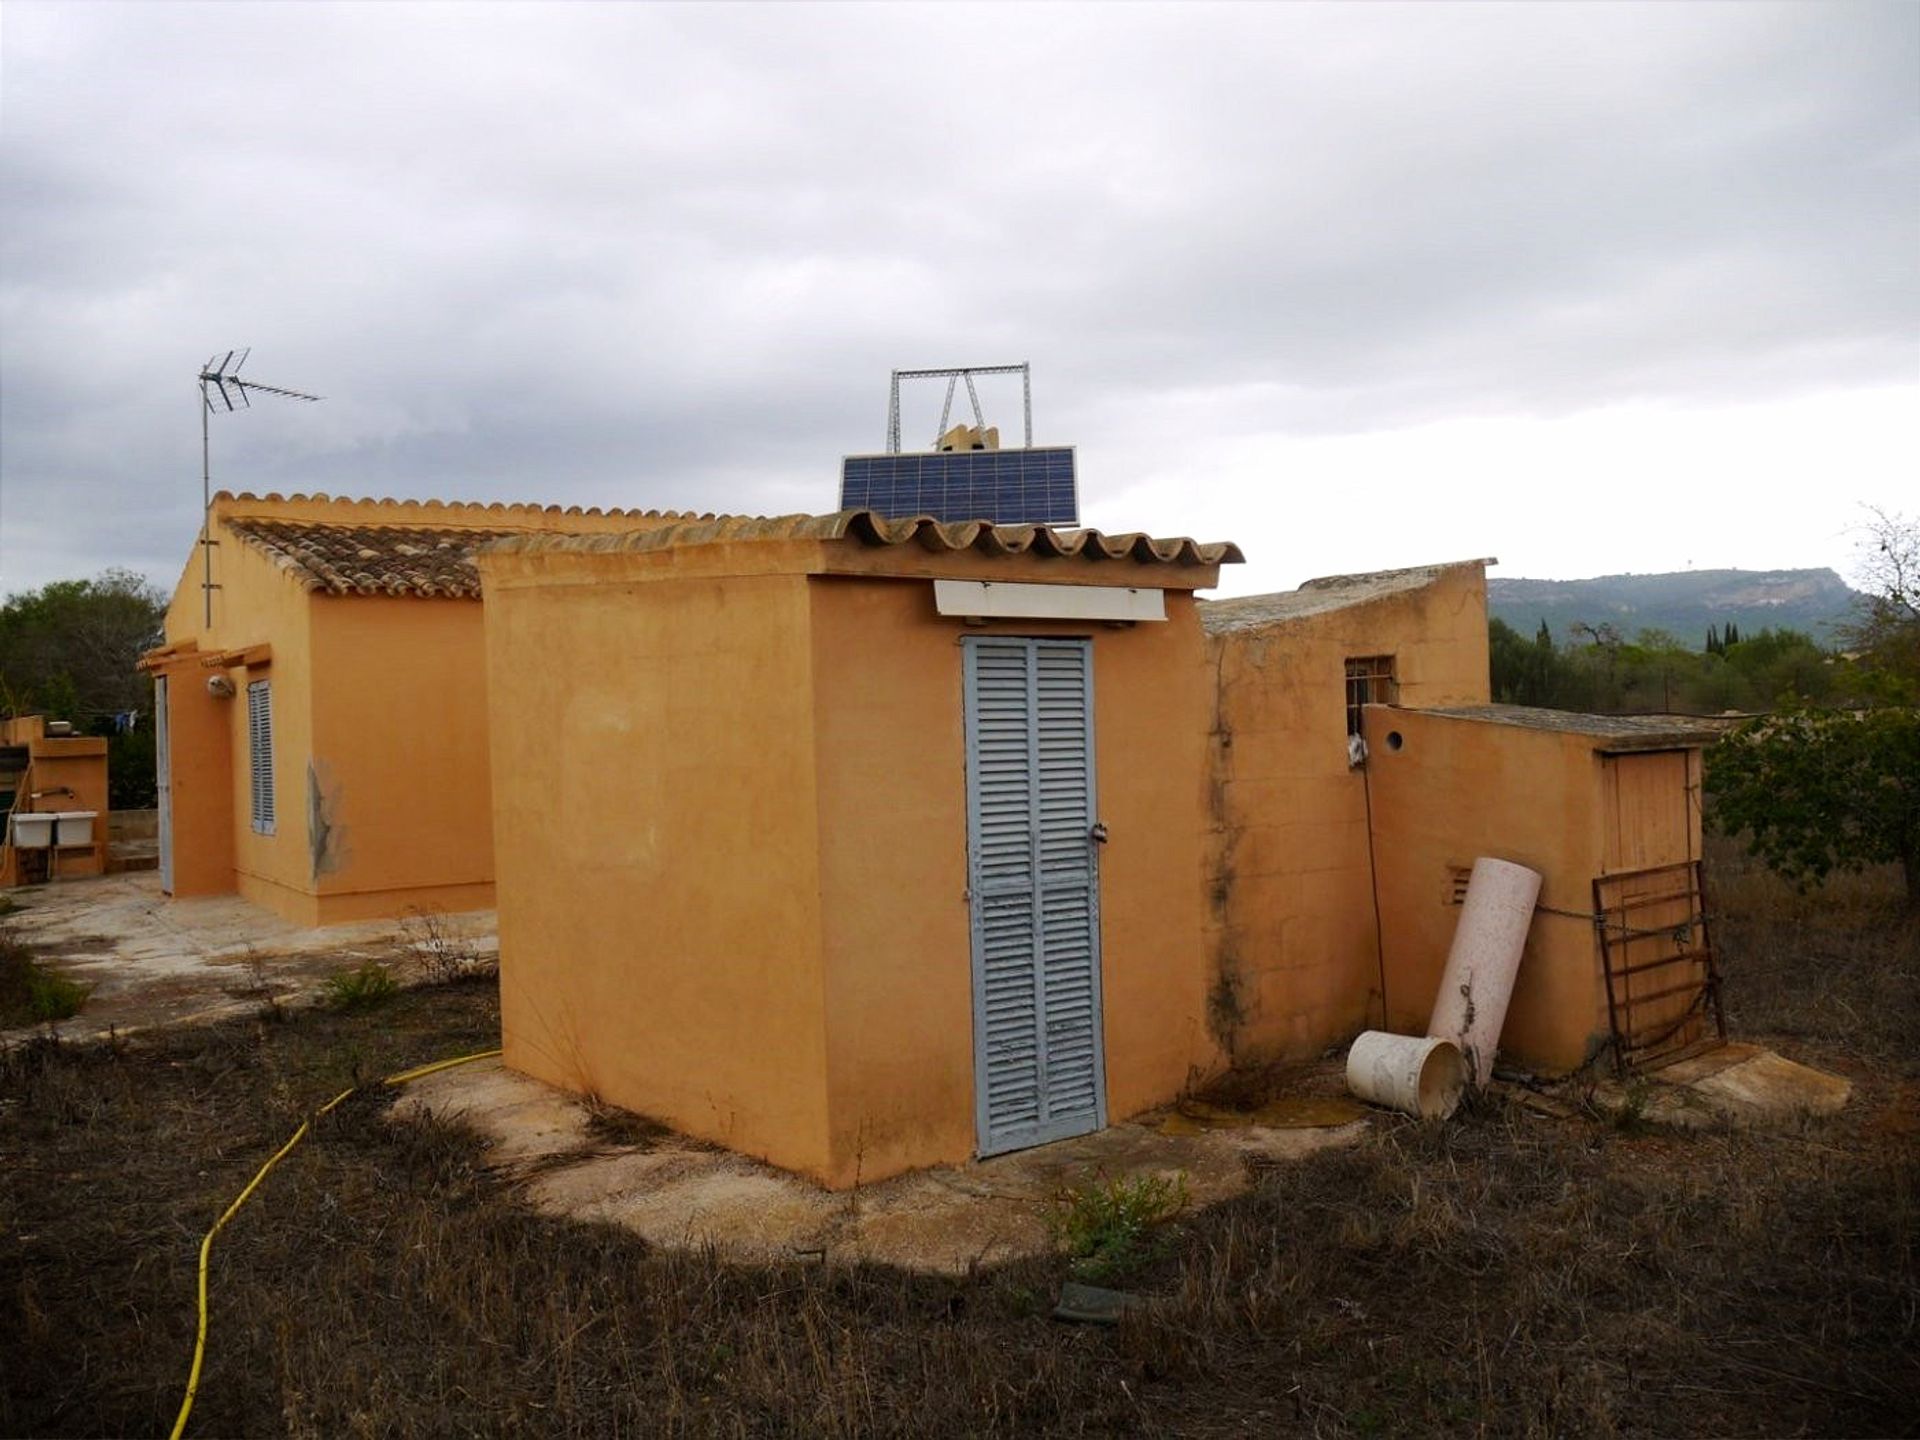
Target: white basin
(76,826)
(32,832)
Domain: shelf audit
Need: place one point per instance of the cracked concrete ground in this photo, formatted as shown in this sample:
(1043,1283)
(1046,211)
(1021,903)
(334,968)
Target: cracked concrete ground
(681,1194)
(154,961)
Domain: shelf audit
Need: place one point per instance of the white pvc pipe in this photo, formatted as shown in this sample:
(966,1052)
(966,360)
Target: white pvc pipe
(1420,1075)
(1471,1007)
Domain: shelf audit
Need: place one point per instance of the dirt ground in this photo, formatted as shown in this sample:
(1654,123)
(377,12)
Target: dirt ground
(153,961)
(1524,1269)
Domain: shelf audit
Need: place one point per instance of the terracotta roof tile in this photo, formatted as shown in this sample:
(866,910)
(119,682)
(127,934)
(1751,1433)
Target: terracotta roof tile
(372,559)
(870,528)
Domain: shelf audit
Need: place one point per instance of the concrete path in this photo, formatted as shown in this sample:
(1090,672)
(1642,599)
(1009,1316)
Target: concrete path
(155,961)
(680,1194)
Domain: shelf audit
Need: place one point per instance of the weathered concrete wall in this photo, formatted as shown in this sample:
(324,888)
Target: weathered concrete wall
(1294,958)
(657,840)
(889,719)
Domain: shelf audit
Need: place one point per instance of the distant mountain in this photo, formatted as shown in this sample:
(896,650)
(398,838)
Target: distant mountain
(1684,603)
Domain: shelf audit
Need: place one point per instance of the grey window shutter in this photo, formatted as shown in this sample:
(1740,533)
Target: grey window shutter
(260,753)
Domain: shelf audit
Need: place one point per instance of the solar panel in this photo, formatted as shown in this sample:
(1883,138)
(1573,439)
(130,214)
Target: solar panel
(1033,486)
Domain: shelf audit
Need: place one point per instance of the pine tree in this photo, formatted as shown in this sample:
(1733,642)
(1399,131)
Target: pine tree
(1713,640)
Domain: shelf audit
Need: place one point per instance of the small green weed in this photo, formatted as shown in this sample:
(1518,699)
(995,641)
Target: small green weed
(30,993)
(1108,1227)
(362,988)
(1631,1117)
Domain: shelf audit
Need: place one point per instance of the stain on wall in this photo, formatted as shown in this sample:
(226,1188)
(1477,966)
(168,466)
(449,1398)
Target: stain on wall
(326,837)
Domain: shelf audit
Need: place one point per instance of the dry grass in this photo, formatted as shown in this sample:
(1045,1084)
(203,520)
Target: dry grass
(1507,1274)
(1837,968)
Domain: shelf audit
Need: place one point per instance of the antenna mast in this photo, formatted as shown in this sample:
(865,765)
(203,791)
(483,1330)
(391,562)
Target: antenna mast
(223,380)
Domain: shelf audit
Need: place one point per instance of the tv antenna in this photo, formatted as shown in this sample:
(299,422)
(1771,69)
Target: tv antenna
(223,380)
(953,377)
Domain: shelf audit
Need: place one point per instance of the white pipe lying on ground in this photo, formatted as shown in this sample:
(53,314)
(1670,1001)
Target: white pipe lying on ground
(1471,1007)
(1421,1075)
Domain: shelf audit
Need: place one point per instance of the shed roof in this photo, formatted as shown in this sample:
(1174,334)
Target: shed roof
(869,527)
(1329,592)
(1617,732)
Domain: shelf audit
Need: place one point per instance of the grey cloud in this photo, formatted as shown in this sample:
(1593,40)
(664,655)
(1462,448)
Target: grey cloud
(666,255)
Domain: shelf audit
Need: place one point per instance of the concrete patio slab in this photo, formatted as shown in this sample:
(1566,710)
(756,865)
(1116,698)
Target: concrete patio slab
(679,1194)
(154,961)
(1739,1084)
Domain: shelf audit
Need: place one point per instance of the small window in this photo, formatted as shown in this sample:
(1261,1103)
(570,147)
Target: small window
(1369,682)
(260,753)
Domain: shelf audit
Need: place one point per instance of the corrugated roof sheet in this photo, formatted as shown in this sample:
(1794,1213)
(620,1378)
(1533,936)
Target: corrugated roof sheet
(1317,597)
(871,528)
(373,559)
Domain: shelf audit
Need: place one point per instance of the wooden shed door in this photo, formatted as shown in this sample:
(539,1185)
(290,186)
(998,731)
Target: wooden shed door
(1658,963)
(1033,885)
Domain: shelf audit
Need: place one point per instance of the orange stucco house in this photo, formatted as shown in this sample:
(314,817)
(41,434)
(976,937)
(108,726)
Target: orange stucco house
(322,708)
(881,843)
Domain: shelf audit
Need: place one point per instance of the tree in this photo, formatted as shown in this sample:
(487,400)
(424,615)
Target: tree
(70,647)
(1819,791)
(1885,629)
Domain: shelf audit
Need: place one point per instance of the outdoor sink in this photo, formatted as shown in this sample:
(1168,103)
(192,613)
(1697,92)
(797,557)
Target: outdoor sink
(75,827)
(32,832)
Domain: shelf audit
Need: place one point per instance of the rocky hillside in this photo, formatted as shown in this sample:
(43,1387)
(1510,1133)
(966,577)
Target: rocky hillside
(1684,603)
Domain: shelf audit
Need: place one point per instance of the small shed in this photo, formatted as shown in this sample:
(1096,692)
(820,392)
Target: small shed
(853,843)
(1607,809)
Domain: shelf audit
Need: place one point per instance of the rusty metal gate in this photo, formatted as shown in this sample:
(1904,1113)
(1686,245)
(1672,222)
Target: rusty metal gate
(1663,991)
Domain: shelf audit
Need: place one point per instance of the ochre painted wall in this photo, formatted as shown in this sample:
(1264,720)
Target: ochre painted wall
(379,718)
(656,836)
(1294,960)
(393,801)
(736,898)
(1456,789)
(256,604)
(888,714)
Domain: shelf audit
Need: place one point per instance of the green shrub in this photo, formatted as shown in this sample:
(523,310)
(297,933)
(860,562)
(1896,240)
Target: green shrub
(1108,1227)
(362,988)
(30,993)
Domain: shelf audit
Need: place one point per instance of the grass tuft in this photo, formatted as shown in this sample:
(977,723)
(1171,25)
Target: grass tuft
(30,992)
(365,986)
(1110,1228)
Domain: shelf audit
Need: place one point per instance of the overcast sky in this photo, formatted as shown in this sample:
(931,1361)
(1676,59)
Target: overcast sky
(1587,288)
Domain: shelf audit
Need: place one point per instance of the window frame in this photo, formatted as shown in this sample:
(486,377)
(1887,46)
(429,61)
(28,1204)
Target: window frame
(1378,683)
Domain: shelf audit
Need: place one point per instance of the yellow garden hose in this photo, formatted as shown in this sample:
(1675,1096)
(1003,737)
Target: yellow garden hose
(206,1245)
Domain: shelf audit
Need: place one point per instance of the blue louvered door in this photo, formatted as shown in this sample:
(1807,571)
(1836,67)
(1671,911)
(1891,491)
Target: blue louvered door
(1033,884)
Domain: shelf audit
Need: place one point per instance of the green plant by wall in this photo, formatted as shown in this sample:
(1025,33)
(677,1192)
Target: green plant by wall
(362,988)
(1108,1227)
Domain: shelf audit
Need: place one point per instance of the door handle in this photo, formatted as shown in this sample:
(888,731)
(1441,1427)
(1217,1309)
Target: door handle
(1098,833)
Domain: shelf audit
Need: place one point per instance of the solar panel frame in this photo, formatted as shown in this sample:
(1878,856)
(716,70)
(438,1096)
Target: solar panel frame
(1026,485)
